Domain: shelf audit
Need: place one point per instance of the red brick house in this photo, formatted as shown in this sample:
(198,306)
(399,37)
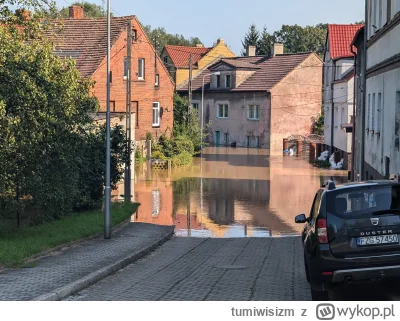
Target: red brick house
(85,40)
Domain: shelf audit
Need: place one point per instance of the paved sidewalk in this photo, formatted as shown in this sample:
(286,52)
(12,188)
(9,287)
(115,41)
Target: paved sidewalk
(193,269)
(83,262)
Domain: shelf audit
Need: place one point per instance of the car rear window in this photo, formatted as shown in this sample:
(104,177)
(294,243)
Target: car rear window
(363,200)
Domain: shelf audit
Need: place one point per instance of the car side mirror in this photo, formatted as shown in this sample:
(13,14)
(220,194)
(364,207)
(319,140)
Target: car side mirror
(301,219)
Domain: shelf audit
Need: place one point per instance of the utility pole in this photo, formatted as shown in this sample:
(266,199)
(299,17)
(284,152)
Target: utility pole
(128,175)
(190,83)
(107,207)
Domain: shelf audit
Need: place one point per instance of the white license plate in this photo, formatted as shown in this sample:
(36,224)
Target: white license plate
(379,239)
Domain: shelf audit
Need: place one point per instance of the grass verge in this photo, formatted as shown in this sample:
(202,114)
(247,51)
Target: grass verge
(19,245)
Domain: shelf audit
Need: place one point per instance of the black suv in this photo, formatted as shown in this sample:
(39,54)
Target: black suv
(352,234)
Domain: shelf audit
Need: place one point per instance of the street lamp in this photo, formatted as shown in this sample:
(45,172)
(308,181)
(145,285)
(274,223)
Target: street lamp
(107,205)
(217,73)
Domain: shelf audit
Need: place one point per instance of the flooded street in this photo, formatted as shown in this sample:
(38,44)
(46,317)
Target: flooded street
(230,193)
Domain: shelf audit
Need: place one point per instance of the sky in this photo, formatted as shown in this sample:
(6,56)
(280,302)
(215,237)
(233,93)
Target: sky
(230,20)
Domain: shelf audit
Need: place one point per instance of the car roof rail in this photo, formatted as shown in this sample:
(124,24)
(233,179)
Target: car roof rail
(395,178)
(329,185)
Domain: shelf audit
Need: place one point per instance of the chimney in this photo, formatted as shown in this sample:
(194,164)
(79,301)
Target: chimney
(220,41)
(278,49)
(251,51)
(23,13)
(76,12)
(199,45)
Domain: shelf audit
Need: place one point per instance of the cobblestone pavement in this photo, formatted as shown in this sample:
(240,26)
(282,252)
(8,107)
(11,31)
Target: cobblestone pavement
(210,269)
(76,262)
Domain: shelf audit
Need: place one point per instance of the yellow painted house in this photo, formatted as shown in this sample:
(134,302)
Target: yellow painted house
(177,59)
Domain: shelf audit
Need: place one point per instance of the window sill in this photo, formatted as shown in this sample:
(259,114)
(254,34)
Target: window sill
(156,126)
(253,119)
(222,117)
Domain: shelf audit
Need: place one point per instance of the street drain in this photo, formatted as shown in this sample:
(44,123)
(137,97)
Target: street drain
(231,267)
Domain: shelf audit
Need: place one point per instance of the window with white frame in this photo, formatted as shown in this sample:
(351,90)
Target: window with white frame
(373,113)
(222,110)
(253,112)
(195,105)
(228,81)
(156,114)
(379,113)
(343,117)
(157,80)
(141,68)
(369,111)
(218,81)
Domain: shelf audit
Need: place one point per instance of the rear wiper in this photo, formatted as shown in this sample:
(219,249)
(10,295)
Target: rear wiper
(389,211)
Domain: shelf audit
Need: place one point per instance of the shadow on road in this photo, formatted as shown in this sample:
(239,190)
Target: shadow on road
(388,290)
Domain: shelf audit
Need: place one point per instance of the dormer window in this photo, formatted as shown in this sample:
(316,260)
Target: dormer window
(218,81)
(228,81)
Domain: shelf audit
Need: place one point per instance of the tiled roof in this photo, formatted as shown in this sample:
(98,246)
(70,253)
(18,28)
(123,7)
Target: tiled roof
(271,70)
(340,38)
(180,55)
(85,40)
(239,62)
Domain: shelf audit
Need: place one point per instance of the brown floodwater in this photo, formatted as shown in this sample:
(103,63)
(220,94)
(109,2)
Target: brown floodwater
(230,192)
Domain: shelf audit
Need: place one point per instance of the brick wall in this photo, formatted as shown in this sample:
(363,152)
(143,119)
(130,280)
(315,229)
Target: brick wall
(144,92)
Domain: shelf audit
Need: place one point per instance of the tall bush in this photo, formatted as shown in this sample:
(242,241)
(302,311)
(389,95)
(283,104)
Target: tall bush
(51,153)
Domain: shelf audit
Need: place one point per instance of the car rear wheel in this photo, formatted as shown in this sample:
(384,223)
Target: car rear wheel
(319,295)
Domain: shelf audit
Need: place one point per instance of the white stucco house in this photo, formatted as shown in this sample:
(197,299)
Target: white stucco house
(339,91)
(380,113)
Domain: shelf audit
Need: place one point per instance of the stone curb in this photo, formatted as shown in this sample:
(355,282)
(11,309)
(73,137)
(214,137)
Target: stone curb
(92,278)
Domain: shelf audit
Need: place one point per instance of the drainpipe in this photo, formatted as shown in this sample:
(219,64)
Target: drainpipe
(364,93)
(333,107)
(353,139)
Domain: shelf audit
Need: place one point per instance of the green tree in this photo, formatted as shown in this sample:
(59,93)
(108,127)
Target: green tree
(251,38)
(46,132)
(265,43)
(188,125)
(317,124)
(302,39)
(160,38)
(91,10)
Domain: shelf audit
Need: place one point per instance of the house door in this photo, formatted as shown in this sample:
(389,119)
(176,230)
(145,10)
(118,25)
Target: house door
(217,138)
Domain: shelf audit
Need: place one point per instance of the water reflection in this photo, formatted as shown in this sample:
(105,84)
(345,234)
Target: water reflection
(230,193)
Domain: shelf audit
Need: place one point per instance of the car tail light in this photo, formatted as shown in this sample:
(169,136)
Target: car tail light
(322,231)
